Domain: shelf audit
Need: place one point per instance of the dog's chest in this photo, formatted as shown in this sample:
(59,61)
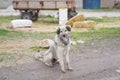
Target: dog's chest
(60,43)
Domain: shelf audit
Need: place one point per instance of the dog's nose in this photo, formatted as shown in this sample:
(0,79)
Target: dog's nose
(63,35)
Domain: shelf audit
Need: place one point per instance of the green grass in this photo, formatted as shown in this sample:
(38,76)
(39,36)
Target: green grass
(104,19)
(98,34)
(48,19)
(4,55)
(103,33)
(16,35)
(10,35)
(43,19)
(5,20)
(36,48)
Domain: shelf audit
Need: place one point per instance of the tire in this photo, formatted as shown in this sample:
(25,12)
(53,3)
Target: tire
(26,15)
(35,17)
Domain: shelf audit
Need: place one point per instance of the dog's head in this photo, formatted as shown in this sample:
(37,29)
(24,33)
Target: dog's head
(64,33)
(63,30)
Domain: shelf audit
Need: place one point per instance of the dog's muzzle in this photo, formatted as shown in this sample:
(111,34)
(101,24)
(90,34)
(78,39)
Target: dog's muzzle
(64,39)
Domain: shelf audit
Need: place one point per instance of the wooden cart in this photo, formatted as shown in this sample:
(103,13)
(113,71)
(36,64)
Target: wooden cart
(30,8)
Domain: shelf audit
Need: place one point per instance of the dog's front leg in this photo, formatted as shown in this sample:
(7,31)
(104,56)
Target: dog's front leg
(68,59)
(60,59)
(62,64)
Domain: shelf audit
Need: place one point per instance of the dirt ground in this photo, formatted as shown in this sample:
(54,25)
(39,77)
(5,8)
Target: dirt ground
(96,60)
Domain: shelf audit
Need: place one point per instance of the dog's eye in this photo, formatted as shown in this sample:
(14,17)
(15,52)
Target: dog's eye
(61,31)
(65,30)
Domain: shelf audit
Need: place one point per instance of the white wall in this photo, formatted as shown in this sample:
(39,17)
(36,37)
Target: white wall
(79,3)
(107,3)
(5,4)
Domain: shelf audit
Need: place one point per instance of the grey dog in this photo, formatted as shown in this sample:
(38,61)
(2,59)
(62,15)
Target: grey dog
(60,48)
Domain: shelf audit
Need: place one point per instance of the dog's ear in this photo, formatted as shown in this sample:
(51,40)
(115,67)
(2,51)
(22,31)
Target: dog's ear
(68,28)
(58,31)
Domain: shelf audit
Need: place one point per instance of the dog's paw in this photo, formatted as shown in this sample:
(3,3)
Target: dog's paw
(63,71)
(70,69)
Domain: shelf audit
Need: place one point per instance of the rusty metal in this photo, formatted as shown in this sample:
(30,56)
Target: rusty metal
(70,4)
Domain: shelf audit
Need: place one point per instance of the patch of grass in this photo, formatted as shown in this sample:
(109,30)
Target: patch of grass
(47,19)
(4,55)
(4,32)
(103,33)
(41,35)
(42,19)
(9,35)
(5,20)
(36,48)
(15,35)
(92,34)
(104,19)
